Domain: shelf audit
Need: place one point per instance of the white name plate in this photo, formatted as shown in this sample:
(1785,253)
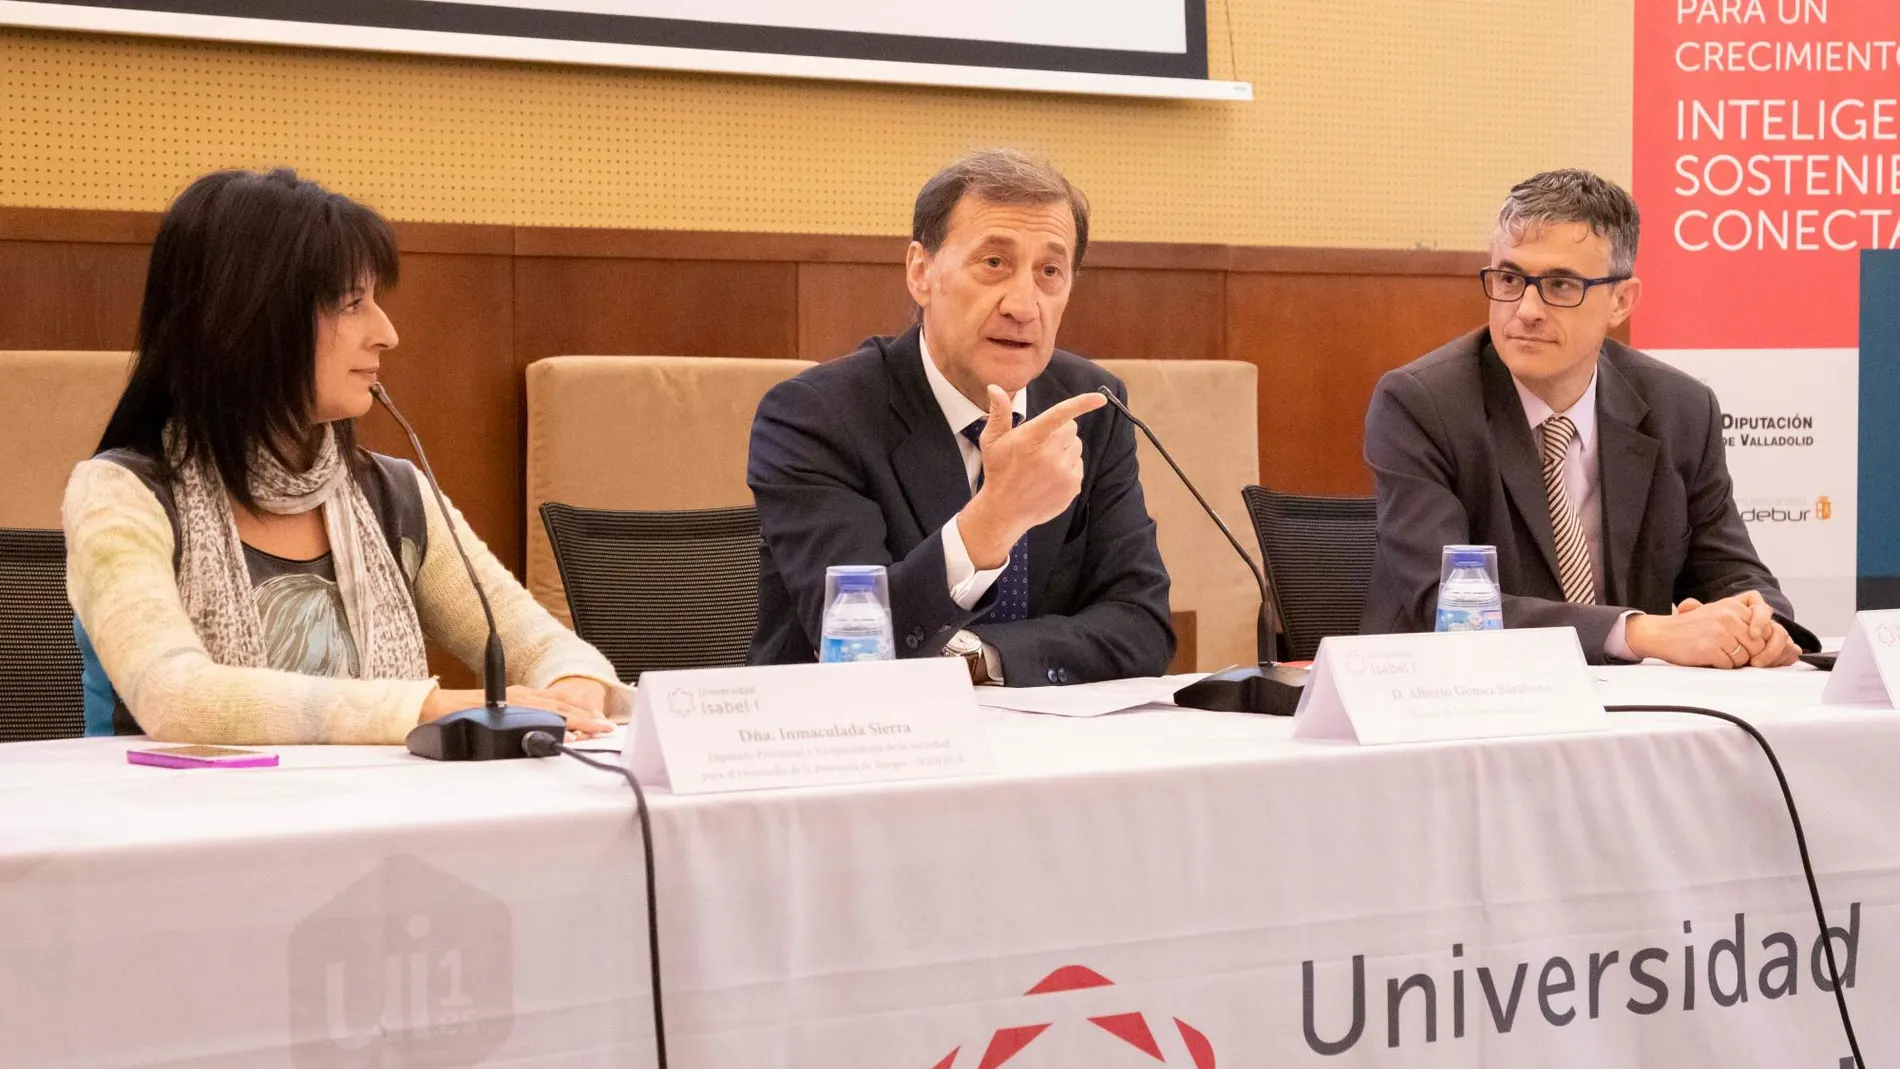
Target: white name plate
(1868,668)
(1378,689)
(805,725)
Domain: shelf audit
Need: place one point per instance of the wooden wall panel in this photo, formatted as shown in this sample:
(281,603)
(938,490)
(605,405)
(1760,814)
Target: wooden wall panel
(840,305)
(453,375)
(1321,342)
(588,306)
(69,295)
(479,303)
(1131,314)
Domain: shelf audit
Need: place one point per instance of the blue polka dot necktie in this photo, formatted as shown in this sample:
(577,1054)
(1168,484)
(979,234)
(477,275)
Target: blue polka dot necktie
(1012,587)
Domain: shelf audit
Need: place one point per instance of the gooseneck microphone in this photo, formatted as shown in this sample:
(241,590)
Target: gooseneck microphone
(493,730)
(1267,688)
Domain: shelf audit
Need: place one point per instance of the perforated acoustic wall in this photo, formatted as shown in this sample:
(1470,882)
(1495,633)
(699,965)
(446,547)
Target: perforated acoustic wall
(1376,124)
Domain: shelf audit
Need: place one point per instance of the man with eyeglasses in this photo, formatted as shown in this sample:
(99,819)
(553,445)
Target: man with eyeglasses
(1596,471)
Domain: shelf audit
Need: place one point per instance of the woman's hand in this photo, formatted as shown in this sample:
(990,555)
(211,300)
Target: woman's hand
(582,720)
(589,694)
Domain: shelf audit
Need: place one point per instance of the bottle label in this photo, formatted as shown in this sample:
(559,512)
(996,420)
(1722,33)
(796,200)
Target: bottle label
(1472,619)
(844,649)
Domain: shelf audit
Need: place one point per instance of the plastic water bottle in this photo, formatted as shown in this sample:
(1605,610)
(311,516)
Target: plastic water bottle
(1468,596)
(857,615)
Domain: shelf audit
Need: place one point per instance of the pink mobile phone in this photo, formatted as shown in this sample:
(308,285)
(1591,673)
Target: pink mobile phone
(201,757)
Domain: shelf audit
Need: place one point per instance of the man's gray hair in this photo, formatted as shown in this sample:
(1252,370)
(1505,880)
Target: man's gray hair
(1000,176)
(1575,196)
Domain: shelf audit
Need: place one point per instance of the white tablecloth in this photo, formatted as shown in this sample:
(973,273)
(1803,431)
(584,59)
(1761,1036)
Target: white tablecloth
(1188,884)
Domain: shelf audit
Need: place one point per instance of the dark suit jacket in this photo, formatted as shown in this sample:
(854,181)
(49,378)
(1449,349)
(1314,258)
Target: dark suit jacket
(1453,461)
(852,463)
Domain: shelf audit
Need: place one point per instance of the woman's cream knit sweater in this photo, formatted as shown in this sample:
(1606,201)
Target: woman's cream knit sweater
(119,577)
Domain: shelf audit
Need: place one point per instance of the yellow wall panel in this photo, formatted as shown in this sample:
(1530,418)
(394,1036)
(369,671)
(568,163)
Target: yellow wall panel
(1376,123)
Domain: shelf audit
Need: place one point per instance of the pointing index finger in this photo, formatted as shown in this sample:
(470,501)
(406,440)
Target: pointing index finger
(1063,411)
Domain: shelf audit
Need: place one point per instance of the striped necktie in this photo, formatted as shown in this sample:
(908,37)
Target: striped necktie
(1012,587)
(1573,553)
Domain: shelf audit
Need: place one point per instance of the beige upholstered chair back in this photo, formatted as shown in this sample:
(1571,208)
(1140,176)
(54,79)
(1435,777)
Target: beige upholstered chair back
(637,432)
(1205,410)
(53,407)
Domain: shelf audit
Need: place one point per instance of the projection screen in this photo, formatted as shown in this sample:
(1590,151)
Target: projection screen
(1154,48)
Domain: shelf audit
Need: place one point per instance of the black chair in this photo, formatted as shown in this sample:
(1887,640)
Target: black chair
(41,696)
(1318,552)
(654,590)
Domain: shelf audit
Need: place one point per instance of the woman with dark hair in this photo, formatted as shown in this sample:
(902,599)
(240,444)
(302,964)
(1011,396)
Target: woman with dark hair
(241,571)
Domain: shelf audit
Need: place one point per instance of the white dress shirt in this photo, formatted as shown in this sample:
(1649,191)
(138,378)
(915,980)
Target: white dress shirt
(967,584)
(1583,485)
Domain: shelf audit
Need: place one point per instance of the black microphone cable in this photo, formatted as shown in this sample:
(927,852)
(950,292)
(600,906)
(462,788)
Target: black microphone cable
(1800,842)
(542,744)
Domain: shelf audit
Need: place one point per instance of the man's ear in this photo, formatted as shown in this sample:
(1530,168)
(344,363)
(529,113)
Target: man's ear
(1628,292)
(917,263)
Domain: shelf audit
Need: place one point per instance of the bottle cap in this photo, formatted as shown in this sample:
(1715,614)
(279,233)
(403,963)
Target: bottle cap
(1469,556)
(855,577)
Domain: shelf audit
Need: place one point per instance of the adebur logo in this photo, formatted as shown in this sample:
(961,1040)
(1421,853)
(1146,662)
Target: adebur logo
(408,966)
(1131,1029)
(1787,510)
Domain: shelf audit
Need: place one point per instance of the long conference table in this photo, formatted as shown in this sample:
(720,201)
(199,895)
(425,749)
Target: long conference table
(1162,887)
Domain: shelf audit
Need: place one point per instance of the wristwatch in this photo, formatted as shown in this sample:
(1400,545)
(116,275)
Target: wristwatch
(967,646)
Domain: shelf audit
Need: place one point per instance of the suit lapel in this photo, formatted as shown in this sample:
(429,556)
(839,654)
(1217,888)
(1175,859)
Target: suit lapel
(928,464)
(1518,460)
(1626,459)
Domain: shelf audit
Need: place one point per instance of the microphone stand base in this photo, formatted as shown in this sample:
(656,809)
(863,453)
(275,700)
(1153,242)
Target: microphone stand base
(484,733)
(1272,689)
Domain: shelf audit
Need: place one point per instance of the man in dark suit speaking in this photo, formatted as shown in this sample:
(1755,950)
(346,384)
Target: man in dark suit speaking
(1597,471)
(967,455)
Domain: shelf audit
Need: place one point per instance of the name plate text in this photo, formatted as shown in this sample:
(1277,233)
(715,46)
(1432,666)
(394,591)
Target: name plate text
(737,729)
(1378,689)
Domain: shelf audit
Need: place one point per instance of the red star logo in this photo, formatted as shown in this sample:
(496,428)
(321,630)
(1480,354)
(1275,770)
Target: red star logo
(1130,1028)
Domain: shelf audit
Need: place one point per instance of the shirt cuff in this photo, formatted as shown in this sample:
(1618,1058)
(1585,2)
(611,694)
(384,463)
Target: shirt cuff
(967,585)
(993,664)
(1617,645)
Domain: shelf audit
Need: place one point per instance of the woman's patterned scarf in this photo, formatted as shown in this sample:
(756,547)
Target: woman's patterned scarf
(215,584)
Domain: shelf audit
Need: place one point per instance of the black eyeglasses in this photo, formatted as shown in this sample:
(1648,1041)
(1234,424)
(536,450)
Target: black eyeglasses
(1558,291)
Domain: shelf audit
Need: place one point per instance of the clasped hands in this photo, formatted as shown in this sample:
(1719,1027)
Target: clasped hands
(1735,632)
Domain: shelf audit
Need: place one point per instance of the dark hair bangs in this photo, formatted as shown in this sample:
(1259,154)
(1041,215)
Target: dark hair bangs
(352,247)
